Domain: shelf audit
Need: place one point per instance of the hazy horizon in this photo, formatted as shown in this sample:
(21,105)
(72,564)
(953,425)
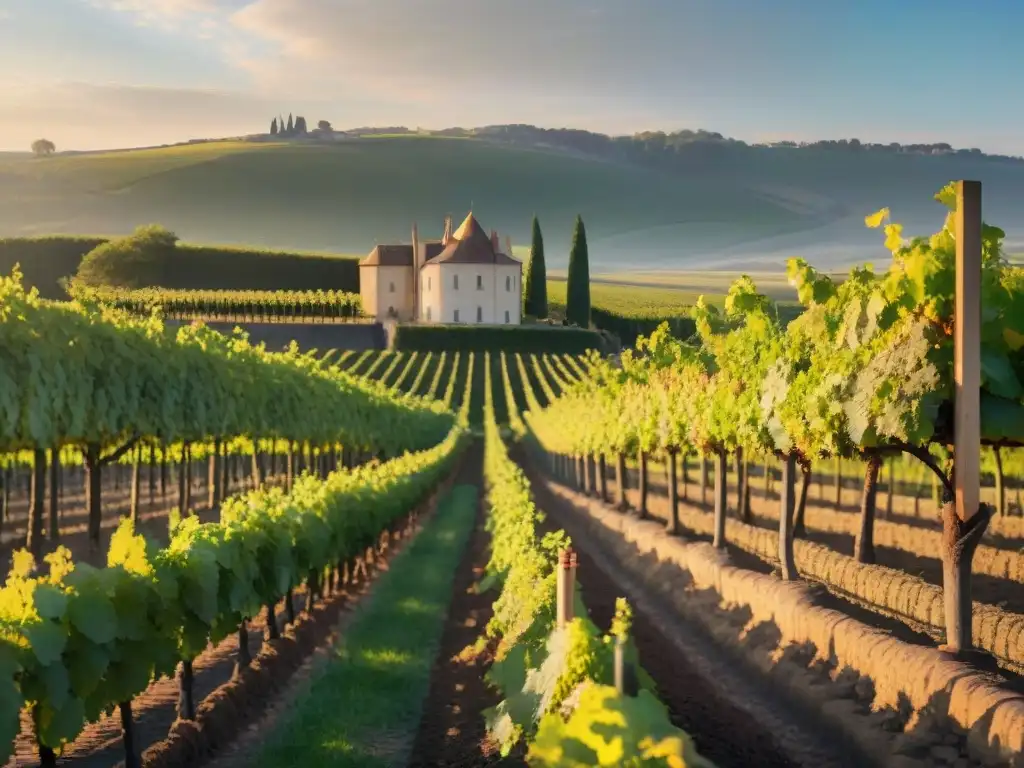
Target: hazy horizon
(98,74)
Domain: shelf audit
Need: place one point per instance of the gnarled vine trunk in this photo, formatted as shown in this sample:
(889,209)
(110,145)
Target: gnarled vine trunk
(721,497)
(799,525)
(787,505)
(864,544)
(959,541)
(602,477)
(672,525)
(93,493)
(1000,482)
(37,504)
(621,482)
(642,511)
(743,511)
(55,495)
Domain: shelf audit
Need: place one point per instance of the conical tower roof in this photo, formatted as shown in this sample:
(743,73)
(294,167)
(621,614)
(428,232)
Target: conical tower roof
(470,244)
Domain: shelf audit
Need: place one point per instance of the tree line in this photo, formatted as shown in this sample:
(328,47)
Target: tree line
(535,278)
(296,126)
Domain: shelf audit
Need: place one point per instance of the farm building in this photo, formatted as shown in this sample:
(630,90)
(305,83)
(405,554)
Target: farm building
(462,278)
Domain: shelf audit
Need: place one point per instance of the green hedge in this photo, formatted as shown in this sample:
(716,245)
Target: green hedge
(45,260)
(629,328)
(489,338)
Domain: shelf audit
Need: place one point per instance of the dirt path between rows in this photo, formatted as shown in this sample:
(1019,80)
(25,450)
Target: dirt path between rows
(735,721)
(452,731)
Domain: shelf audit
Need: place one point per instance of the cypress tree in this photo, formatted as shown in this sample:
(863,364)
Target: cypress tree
(273,127)
(291,125)
(577,290)
(535,281)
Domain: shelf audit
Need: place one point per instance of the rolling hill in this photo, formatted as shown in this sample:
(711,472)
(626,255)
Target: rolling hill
(748,211)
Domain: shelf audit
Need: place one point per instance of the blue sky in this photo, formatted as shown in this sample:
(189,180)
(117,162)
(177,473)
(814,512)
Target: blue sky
(108,73)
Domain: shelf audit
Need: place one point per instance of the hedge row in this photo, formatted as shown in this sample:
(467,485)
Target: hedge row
(477,338)
(628,329)
(45,260)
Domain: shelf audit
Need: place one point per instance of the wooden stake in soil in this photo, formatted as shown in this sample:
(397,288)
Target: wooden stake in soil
(565,587)
(626,682)
(964,523)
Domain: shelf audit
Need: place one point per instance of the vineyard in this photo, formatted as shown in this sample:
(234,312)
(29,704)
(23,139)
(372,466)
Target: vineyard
(735,549)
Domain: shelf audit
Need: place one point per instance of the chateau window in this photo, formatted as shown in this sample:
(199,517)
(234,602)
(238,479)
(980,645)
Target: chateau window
(479,282)
(428,313)
(391,288)
(456,311)
(456,282)
(508,287)
(479,314)
(506,315)
(429,281)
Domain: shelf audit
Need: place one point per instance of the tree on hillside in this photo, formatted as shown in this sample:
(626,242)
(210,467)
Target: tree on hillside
(273,127)
(300,126)
(324,126)
(535,281)
(577,290)
(43,147)
(290,130)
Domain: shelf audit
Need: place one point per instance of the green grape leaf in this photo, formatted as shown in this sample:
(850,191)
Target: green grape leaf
(56,727)
(1001,419)
(48,640)
(50,602)
(57,683)
(93,615)
(998,376)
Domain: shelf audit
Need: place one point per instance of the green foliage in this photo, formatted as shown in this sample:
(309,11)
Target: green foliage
(535,277)
(80,374)
(542,671)
(867,364)
(438,338)
(76,641)
(577,302)
(130,262)
(45,261)
(608,729)
(241,305)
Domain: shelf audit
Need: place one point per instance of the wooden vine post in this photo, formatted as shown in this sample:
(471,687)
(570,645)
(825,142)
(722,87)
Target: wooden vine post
(964,520)
(565,587)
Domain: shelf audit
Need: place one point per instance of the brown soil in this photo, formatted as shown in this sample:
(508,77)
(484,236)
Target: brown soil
(452,731)
(1002,592)
(723,733)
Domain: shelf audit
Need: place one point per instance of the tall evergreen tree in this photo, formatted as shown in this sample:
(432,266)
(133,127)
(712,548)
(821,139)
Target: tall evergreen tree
(273,127)
(535,279)
(577,290)
(291,125)
(300,125)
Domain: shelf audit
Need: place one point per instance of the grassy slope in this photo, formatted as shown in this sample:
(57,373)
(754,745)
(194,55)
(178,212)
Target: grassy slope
(345,197)
(363,711)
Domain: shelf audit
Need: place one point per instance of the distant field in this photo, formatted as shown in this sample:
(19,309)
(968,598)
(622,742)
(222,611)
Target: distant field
(348,196)
(628,299)
(345,197)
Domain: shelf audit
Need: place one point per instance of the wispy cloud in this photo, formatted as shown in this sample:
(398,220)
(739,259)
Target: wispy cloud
(87,115)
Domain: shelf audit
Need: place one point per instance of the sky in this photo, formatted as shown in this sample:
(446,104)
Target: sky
(91,74)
